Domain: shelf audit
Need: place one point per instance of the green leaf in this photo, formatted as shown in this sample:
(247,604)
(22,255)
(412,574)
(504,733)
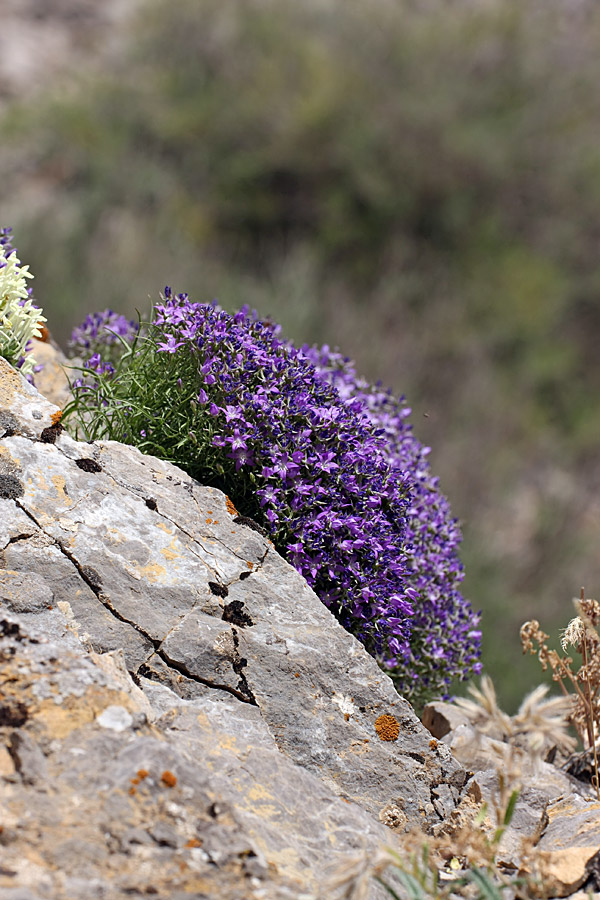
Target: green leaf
(481,814)
(510,808)
(414,889)
(389,889)
(488,890)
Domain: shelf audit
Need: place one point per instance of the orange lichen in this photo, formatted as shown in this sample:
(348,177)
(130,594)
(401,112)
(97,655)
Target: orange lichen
(433,744)
(387,727)
(132,790)
(230,507)
(193,842)
(142,773)
(250,565)
(168,779)
(56,417)
(44,333)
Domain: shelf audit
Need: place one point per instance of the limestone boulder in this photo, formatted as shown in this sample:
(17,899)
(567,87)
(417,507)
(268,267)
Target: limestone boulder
(196,650)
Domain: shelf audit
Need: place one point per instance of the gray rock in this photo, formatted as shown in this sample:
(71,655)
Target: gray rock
(250,758)
(37,596)
(555,828)
(570,844)
(28,757)
(441,718)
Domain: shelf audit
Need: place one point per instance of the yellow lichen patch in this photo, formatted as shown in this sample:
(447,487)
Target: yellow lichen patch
(171,552)
(262,802)
(567,807)
(258,792)
(162,527)
(9,463)
(228,742)
(10,383)
(203,720)
(285,861)
(42,484)
(61,489)
(152,572)
(59,720)
(387,728)
(115,536)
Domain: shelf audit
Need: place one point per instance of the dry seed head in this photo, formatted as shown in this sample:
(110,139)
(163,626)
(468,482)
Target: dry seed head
(530,632)
(589,610)
(484,712)
(544,721)
(540,723)
(572,635)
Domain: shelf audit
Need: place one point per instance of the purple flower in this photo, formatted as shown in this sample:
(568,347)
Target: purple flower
(170,345)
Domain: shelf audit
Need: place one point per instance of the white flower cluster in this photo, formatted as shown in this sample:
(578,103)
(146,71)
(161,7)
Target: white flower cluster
(19,319)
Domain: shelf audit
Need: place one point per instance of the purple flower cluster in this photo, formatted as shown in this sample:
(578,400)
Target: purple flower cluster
(102,333)
(101,339)
(325,490)
(445,638)
(6,242)
(326,462)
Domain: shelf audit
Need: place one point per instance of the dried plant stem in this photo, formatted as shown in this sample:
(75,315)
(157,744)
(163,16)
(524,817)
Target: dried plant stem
(589,719)
(568,674)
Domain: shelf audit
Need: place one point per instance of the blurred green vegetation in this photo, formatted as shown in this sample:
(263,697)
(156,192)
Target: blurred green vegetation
(418,184)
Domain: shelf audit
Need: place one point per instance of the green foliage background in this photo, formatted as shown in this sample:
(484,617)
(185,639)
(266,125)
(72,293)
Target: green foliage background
(417,183)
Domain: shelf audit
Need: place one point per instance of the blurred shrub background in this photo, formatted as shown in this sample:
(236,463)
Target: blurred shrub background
(417,183)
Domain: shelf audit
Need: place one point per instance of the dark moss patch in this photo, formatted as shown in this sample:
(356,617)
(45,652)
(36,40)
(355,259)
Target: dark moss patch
(235,613)
(49,435)
(239,665)
(10,487)
(8,424)
(250,523)
(9,629)
(13,713)
(151,503)
(219,590)
(91,576)
(88,465)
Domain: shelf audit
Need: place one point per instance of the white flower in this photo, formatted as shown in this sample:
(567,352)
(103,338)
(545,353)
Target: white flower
(19,319)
